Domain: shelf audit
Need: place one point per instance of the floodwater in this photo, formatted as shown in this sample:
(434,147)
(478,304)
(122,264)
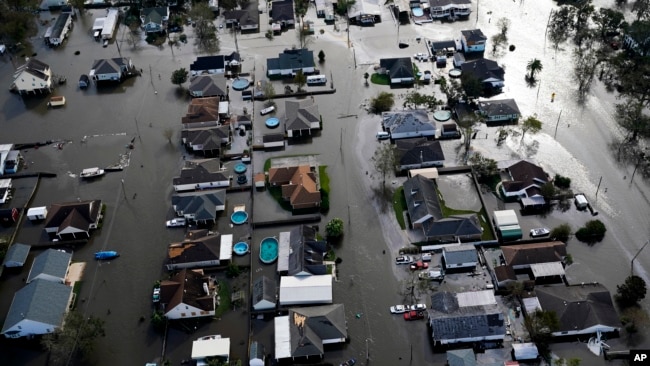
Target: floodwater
(97,125)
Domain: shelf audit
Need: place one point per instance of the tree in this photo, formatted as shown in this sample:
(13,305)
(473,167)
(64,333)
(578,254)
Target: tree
(366,76)
(334,228)
(415,99)
(608,20)
(133,24)
(562,182)
(541,324)
(501,38)
(530,124)
(300,79)
(631,291)
(471,86)
(179,76)
(559,27)
(205,31)
(548,191)
(168,133)
(483,167)
(632,117)
(642,9)
(567,362)
(592,232)
(561,233)
(383,102)
(78,4)
(584,70)
(228,5)
(466,125)
(533,67)
(321,56)
(269,94)
(384,161)
(77,335)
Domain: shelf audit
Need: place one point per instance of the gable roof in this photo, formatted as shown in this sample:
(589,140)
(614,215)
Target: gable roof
(51,262)
(35,68)
(473,35)
(306,254)
(282,10)
(202,204)
(525,254)
(200,171)
(464,253)
(398,68)
(422,198)
(202,110)
(467,225)
(41,301)
(498,107)
(186,287)
(524,174)
(212,85)
(198,247)
(461,357)
(300,114)
(407,121)
(264,289)
(73,214)
(109,65)
(579,307)
(449,321)
(154,15)
(310,326)
(209,138)
(291,59)
(484,70)
(418,151)
(17,253)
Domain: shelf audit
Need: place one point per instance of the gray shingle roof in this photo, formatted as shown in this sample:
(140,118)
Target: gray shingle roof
(202,204)
(407,121)
(483,69)
(17,253)
(282,10)
(41,301)
(498,107)
(51,262)
(451,322)
(208,85)
(291,59)
(473,35)
(201,172)
(464,253)
(398,68)
(110,65)
(422,198)
(309,326)
(264,289)
(306,254)
(418,151)
(300,114)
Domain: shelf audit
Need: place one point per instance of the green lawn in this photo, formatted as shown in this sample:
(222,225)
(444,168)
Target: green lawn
(380,79)
(447,211)
(224,299)
(399,206)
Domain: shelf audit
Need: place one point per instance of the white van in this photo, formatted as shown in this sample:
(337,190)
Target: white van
(316,80)
(581,201)
(382,135)
(267,110)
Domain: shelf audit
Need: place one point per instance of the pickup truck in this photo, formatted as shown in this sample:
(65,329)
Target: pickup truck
(414,315)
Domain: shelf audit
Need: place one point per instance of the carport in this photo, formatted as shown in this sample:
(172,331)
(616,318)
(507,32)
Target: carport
(548,270)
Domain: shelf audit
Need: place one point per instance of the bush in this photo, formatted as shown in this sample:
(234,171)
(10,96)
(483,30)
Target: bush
(562,182)
(561,232)
(334,228)
(592,232)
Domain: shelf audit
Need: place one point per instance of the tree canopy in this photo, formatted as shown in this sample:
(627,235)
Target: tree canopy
(179,76)
(383,102)
(334,228)
(384,161)
(631,291)
(541,324)
(205,32)
(77,335)
(592,232)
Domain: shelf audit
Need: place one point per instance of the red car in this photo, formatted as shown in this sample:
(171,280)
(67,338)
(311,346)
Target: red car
(419,265)
(414,315)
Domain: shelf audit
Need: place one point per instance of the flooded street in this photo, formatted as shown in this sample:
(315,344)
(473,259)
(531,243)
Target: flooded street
(96,125)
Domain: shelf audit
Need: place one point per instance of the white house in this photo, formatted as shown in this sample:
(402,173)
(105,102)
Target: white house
(305,290)
(51,265)
(38,308)
(113,69)
(33,77)
(473,40)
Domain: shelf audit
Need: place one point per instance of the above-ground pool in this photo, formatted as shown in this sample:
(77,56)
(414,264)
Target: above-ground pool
(272,122)
(241,84)
(240,248)
(239,217)
(269,250)
(455,73)
(240,168)
(442,116)
(417,12)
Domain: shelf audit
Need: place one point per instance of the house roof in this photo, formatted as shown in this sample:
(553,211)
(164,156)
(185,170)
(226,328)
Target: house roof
(154,15)
(196,248)
(109,65)
(418,151)
(264,289)
(442,45)
(473,35)
(525,254)
(579,307)
(504,273)
(298,184)
(200,171)
(524,174)
(450,321)
(79,215)
(416,120)
(273,137)
(51,262)
(484,70)
(204,63)
(398,68)
(209,138)
(498,107)
(282,10)
(256,351)
(305,289)
(467,225)
(35,68)
(202,110)
(203,205)
(461,357)
(212,85)
(306,254)
(291,59)
(301,114)
(41,301)
(444,3)
(422,198)
(309,327)
(17,253)
(186,287)
(464,253)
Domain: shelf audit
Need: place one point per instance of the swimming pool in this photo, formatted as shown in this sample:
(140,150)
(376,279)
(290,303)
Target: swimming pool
(240,84)
(417,12)
(240,248)
(240,168)
(272,122)
(239,217)
(269,250)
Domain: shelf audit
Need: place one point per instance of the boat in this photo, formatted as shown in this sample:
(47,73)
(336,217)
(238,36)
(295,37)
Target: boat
(106,254)
(539,232)
(57,101)
(114,168)
(92,173)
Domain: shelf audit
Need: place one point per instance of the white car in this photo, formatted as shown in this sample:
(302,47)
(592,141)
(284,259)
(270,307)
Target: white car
(399,309)
(418,307)
(421,56)
(178,222)
(404,259)
(426,257)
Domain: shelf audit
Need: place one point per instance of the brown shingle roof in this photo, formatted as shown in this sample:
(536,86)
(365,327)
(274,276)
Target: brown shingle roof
(517,255)
(186,287)
(76,214)
(202,110)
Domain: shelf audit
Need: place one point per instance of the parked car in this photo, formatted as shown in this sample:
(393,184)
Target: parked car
(156,294)
(349,362)
(414,315)
(432,274)
(398,309)
(426,257)
(539,232)
(177,222)
(418,307)
(421,56)
(404,259)
(419,265)
(175,29)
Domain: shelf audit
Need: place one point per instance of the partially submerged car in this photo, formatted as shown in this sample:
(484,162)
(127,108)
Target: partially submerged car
(398,309)
(404,259)
(177,222)
(414,315)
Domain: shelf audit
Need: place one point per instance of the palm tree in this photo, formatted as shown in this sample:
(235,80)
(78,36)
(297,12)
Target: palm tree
(533,67)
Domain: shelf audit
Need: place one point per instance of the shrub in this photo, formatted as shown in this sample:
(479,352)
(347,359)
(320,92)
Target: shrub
(334,228)
(561,232)
(562,182)
(592,232)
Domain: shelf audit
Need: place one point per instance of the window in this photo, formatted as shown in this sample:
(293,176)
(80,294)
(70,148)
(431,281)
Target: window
(193,314)
(183,315)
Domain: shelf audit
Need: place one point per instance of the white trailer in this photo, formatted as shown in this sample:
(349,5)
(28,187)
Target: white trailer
(110,23)
(37,213)
(505,218)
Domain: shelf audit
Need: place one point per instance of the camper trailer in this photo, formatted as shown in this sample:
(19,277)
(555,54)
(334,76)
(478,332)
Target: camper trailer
(316,80)
(37,213)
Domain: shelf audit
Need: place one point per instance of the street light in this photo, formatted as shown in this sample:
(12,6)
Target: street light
(636,255)
(367,350)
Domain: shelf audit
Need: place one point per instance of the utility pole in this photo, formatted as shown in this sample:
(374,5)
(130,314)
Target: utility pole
(636,255)
(597,188)
(124,190)
(557,124)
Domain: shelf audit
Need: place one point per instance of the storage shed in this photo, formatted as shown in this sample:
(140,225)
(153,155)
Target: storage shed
(37,213)
(505,218)
(524,351)
(16,255)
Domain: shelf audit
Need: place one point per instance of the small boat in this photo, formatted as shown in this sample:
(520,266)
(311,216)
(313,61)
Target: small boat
(539,232)
(106,254)
(92,173)
(114,168)
(56,101)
